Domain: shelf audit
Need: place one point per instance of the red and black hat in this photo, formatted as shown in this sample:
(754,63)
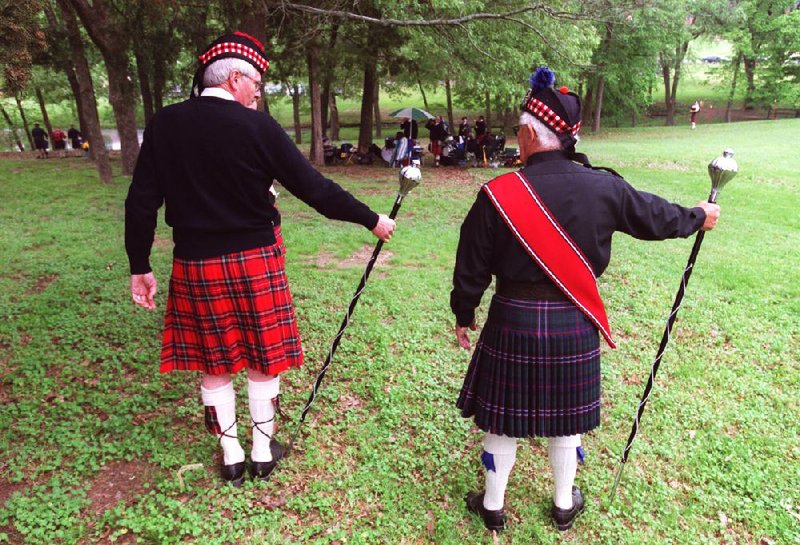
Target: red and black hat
(559,110)
(237,46)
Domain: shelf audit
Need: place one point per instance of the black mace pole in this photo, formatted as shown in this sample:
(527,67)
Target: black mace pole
(410,177)
(721,170)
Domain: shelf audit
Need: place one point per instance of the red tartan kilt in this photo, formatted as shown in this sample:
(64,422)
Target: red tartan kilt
(436,147)
(230,312)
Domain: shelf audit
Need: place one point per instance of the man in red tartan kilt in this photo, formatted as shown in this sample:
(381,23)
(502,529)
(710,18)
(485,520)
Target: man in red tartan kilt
(212,160)
(545,234)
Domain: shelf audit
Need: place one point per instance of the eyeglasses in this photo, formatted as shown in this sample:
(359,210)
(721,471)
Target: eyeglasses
(256,83)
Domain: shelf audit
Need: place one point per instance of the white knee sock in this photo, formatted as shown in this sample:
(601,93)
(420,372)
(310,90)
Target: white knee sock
(564,462)
(499,455)
(220,406)
(262,411)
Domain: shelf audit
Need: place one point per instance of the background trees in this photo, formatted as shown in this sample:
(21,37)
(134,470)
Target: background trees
(140,55)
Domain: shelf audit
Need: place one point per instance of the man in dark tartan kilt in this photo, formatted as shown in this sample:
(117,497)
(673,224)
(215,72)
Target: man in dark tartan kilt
(212,160)
(545,234)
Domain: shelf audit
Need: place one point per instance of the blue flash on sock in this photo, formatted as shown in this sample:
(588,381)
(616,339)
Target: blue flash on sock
(581,455)
(487,458)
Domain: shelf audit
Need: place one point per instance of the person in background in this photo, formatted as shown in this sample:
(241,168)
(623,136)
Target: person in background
(693,110)
(535,371)
(438,133)
(464,130)
(59,139)
(40,141)
(75,137)
(229,307)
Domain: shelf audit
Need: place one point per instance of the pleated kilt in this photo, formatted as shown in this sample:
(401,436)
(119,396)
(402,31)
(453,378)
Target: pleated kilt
(230,312)
(535,371)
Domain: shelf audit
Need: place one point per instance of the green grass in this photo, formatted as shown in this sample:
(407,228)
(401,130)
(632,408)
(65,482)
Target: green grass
(92,437)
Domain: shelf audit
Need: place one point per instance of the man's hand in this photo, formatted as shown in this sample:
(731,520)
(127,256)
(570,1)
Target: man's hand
(385,228)
(461,334)
(143,290)
(712,214)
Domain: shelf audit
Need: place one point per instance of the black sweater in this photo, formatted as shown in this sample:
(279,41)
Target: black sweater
(212,161)
(589,204)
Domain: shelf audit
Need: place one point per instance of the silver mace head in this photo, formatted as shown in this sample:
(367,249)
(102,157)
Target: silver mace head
(721,170)
(410,177)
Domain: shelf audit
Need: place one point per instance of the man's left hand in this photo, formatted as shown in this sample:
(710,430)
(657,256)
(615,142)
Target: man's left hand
(462,336)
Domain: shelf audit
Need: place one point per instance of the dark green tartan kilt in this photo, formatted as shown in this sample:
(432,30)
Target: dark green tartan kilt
(535,371)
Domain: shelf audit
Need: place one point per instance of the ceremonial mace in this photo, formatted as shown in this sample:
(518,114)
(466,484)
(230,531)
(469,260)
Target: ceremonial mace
(721,170)
(410,177)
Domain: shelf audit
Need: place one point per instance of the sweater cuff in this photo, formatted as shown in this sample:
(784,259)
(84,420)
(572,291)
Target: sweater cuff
(139,266)
(465,318)
(371,222)
(700,218)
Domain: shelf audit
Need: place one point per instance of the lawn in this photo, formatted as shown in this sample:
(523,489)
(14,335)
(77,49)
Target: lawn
(97,447)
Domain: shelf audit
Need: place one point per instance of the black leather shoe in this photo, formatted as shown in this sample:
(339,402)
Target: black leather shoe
(233,473)
(263,470)
(493,520)
(565,517)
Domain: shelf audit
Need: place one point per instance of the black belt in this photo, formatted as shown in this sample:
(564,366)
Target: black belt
(543,290)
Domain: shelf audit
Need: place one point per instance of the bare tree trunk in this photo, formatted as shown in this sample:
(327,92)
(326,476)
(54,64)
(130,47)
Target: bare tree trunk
(159,80)
(109,39)
(144,81)
(377,109)
(334,117)
(316,152)
(509,118)
(13,128)
(93,133)
(422,90)
(666,74)
(254,22)
(488,112)
(449,93)
(671,90)
(76,93)
(367,100)
(598,102)
(729,107)
(749,72)
(24,120)
(298,130)
(588,108)
(43,108)
(326,99)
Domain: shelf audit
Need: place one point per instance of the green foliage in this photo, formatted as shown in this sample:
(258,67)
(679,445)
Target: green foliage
(384,456)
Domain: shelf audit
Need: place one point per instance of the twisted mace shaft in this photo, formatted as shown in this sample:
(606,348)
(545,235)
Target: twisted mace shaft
(345,322)
(662,347)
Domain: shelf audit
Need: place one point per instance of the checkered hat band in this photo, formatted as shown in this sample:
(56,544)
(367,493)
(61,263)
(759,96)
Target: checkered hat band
(239,49)
(547,115)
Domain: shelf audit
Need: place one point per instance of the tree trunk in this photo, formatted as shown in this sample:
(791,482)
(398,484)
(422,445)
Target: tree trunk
(159,80)
(449,93)
(312,57)
(588,109)
(43,108)
(729,107)
(367,100)
(298,130)
(254,22)
(422,91)
(598,102)
(671,90)
(24,120)
(488,112)
(509,119)
(334,117)
(325,106)
(93,133)
(12,127)
(76,94)
(749,72)
(144,82)
(377,109)
(109,39)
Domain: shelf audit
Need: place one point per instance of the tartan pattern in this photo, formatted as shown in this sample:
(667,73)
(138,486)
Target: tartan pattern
(238,49)
(535,371)
(546,114)
(230,312)
(211,421)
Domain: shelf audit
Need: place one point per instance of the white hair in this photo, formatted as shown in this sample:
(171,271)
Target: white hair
(218,72)
(548,140)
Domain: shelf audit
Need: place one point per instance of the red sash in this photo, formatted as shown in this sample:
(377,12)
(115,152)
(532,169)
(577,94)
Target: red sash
(549,245)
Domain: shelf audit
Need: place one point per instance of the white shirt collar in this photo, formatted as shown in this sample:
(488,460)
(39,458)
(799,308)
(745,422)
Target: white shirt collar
(218,92)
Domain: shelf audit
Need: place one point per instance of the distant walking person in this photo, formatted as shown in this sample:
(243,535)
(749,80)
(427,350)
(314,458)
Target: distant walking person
(75,137)
(693,113)
(40,141)
(59,139)
(545,233)
(229,307)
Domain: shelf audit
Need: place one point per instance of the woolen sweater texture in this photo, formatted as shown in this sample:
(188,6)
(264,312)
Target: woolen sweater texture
(212,162)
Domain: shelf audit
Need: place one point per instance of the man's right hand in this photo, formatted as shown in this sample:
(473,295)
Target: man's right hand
(385,228)
(712,214)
